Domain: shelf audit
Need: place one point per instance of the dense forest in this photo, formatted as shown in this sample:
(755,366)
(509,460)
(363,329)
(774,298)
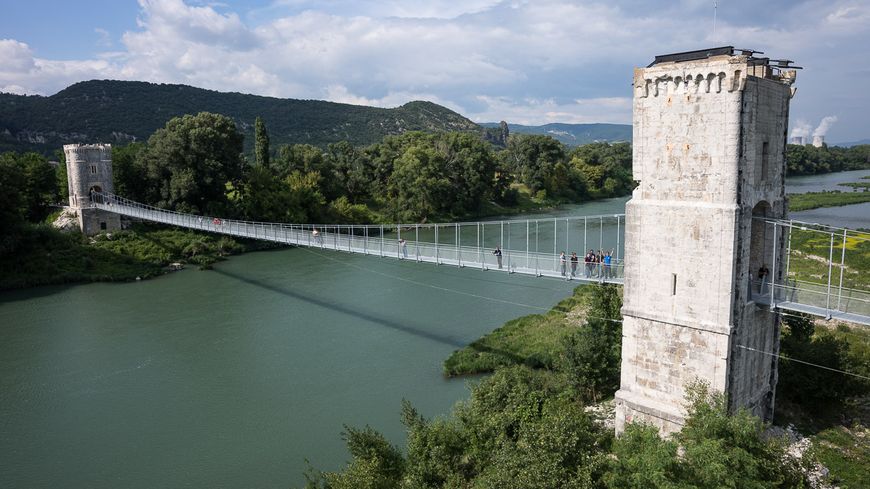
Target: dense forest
(196,163)
(809,160)
(123,111)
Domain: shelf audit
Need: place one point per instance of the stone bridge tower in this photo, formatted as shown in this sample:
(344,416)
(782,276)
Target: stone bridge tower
(709,139)
(89,167)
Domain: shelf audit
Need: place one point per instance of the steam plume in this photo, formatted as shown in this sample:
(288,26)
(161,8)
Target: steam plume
(801,129)
(826,124)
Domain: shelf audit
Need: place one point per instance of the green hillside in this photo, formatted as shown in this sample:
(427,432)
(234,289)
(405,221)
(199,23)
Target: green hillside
(574,134)
(124,111)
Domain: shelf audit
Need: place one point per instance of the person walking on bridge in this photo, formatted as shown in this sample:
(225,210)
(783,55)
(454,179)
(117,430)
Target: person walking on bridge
(497,254)
(562,262)
(574,262)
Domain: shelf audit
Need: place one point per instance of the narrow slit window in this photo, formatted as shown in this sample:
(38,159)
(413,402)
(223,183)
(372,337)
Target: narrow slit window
(673,284)
(93,169)
(765,146)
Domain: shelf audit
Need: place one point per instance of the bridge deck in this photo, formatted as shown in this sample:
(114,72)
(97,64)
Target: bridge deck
(831,300)
(357,239)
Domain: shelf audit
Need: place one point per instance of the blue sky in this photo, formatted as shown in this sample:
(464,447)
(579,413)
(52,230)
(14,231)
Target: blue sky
(527,62)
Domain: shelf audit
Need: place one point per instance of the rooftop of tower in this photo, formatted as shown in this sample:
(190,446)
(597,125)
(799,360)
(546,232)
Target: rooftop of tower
(768,68)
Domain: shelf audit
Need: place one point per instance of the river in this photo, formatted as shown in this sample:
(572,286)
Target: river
(848,216)
(234,377)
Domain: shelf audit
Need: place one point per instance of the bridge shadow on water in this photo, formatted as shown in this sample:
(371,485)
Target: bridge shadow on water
(344,309)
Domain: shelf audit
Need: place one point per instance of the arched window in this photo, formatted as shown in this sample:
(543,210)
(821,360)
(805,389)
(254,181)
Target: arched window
(760,251)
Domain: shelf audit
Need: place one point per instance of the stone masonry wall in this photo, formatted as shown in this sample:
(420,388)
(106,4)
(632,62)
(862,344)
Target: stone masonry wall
(752,378)
(90,166)
(699,128)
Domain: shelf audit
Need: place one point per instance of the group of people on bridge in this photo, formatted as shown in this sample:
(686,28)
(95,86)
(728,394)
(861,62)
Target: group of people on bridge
(598,265)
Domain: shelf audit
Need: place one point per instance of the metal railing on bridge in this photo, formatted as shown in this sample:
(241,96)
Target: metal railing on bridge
(529,247)
(815,269)
(804,275)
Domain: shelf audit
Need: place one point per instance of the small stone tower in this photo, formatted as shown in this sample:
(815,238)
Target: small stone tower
(709,140)
(89,167)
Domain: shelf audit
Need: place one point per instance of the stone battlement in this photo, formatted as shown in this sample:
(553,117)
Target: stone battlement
(698,77)
(86,151)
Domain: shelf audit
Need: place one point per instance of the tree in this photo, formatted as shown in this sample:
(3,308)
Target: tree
(40,186)
(605,169)
(190,162)
(30,186)
(718,450)
(418,188)
(375,464)
(261,143)
(731,450)
(12,183)
(301,157)
(643,460)
(352,171)
(592,355)
(533,159)
(470,166)
(129,173)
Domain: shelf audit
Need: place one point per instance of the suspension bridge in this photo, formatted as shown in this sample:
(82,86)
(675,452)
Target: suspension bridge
(815,282)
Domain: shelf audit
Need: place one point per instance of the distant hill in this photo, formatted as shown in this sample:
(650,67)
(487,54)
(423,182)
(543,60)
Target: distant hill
(124,111)
(852,143)
(574,134)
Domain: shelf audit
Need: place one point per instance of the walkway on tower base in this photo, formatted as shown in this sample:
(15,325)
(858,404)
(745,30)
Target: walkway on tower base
(844,304)
(409,242)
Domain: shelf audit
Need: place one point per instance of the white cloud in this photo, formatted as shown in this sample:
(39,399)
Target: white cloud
(543,111)
(522,61)
(104,38)
(17,57)
(418,9)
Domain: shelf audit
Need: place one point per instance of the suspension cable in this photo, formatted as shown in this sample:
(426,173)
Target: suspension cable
(803,362)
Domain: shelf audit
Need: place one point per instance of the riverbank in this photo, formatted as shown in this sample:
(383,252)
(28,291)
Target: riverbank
(825,414)
(46,256)
(532,340)
(815,200)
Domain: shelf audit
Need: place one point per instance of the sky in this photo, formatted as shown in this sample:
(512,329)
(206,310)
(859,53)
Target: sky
(526,62)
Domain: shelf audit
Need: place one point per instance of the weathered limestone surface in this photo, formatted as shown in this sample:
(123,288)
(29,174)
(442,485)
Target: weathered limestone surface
(89,167)
(709,140)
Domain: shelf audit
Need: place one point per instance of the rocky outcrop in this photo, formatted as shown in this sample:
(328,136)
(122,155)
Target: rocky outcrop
(67,220)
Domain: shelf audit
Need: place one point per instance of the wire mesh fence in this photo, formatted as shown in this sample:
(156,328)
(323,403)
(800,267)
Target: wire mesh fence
(793,265)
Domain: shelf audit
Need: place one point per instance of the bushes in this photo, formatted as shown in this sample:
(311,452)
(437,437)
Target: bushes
(816,388)
(516,431)
(717,450)
(534,340)
(521,430)
(591,359)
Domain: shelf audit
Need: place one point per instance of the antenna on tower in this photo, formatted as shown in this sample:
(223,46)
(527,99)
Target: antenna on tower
(715,7)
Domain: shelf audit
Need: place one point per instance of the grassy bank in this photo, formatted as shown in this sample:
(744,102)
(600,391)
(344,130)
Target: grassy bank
(46,256)
(810,252)
(533,340)
(815,200)
(832,409)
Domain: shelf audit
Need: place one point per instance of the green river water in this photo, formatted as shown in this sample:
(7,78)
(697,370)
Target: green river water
(233,377)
